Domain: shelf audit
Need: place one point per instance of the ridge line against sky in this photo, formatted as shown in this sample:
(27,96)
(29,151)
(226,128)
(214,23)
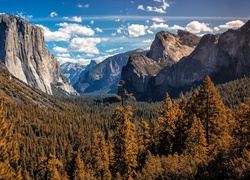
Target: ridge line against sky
(81,30)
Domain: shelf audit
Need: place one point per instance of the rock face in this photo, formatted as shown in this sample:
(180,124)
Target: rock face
(73,71)
(170,47)
(104,77)
(167,49)
(223,57)
(23,52)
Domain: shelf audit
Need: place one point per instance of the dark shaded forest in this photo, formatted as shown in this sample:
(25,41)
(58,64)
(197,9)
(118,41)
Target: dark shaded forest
(203,135)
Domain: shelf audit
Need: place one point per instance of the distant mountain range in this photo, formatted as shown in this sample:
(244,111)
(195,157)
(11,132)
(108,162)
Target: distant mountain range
(104,77)
(223,57)
(73,71)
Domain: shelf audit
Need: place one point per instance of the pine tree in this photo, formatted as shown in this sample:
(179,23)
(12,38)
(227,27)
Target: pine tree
(48,168)
(100,155)
(207,105)
(167,119)
(196,144)
(182,125)
(78,169)
(125,144)
(9,156)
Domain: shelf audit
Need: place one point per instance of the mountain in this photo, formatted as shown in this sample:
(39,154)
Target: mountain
(104,77)
(23,52)
(223,57)
(75,70)
(167,49)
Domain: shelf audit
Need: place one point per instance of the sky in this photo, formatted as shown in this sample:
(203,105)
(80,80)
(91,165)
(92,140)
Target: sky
(82,30)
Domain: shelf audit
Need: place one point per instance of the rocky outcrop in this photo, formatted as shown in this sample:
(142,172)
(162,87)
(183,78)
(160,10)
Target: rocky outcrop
(170,48)
(167,49)
(23,52)
(223,57)
(104,77)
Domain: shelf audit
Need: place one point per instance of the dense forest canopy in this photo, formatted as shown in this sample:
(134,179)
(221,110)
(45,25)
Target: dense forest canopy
(202,135)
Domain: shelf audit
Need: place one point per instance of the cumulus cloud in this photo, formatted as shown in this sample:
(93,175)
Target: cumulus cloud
(75,29)
(86,45)
(60,49)
(159,9)
(54,36)
(198,27)
(136,30)
(98,29)
(156,26)
(92,22)
(157,19)
(140,7)
(232,24)
(63,55)
(114,49)
(74,18)
(23,16)
(53,14)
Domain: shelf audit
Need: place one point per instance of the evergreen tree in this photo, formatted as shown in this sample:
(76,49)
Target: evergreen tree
(48,168)
(167,119)
(78,170)
(100,155)
(125,144)
(207,105)
(9,157)
(196,144)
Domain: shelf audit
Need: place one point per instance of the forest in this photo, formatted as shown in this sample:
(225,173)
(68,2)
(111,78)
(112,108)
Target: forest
(204,134)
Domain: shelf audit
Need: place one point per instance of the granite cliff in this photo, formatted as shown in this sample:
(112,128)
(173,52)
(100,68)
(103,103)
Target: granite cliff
(23,52)
(223,57)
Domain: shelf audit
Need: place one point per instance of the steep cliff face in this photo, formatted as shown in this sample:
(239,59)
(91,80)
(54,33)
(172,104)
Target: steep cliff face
(23,52)
(104,77)
(167,49)
(223,57)
(170,48)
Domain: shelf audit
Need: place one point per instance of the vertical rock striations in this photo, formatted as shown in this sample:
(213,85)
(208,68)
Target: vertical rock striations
(23,52)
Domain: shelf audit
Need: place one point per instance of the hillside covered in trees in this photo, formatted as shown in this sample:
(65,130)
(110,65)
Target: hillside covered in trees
(201,135)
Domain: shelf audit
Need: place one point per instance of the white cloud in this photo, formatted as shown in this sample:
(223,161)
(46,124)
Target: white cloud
(148,41)
(232,24)
(63,55)
(60,49)
(114,49)
(92,22)
(53,14)
(86,45)
(117,20)
(119,30)
(98,29)
(150,32)
(23,16)
(136,30)
(197,27)
(79,5)
(177,27)
(86,5)
(157,19)
(74,18)
(83,61)
(75,29)
(54,36)
(160,9)
(159,26)
(140,7)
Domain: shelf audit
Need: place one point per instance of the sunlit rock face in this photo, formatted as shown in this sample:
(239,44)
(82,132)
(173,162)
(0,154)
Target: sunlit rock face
(23,52)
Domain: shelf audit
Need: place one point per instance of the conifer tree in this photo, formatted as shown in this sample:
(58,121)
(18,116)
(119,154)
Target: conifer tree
(48,168)
(196,144)
(167,119)
(78,170)
(125,143)
(207,105)
(9,156)
(100,155)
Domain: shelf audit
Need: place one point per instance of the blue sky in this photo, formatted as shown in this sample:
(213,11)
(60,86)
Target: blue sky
(81,30)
